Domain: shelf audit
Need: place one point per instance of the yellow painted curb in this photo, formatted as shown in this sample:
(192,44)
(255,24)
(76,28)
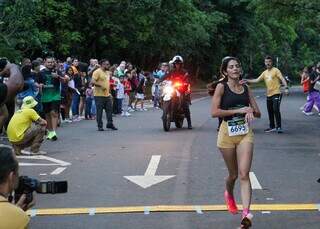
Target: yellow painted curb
(168,208)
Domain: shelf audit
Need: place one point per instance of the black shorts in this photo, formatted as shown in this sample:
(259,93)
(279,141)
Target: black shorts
(3,93)
(51,106)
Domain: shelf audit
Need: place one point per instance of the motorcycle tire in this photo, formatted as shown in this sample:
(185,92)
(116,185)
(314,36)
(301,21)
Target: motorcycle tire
(166,119)
(179,123)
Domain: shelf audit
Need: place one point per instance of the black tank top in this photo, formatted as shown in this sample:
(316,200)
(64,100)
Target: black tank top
(231,100)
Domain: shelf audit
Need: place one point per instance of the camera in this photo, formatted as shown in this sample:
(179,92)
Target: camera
(28,185)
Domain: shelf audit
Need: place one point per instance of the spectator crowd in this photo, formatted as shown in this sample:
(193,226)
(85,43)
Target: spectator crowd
(71,91)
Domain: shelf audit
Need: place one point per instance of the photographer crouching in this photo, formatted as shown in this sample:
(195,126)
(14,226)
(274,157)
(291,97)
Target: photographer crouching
(12,215)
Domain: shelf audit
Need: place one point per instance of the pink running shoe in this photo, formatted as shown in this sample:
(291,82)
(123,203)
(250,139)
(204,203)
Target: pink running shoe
(231,203)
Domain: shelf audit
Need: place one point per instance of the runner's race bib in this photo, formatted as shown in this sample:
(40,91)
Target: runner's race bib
(237,127)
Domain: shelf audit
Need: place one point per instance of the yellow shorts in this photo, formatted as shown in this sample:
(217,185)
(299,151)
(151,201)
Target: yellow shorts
(225,141)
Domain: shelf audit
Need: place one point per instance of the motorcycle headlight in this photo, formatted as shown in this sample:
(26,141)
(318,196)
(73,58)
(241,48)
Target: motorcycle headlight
(168,90)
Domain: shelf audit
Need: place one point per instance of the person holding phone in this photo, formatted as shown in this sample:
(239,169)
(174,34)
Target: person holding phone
(49,81)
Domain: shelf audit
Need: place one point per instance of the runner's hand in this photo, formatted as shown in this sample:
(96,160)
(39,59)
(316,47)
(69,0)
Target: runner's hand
(245,110)
(249,118)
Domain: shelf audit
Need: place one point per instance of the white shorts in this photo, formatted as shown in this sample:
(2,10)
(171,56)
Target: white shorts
(139,96)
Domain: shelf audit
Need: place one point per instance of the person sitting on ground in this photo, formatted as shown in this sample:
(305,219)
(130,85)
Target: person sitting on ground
(26,128)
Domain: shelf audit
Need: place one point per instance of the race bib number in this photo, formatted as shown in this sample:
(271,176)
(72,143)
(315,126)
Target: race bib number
(237,127)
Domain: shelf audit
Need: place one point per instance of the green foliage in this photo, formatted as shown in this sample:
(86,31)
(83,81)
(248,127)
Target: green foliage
(147,32)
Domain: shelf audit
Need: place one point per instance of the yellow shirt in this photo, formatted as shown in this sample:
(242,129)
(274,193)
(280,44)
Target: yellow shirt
(272,79)
(102,78)
(11,216)
(20,122)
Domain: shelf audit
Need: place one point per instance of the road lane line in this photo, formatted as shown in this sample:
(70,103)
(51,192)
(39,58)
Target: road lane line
(33,212)
(36,164)
(254,181)
(147,210)
(153,165)
(57,171)
(92,211)
(198,209)
(170,208)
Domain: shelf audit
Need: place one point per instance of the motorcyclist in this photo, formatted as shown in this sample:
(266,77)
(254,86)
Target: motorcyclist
(181,75)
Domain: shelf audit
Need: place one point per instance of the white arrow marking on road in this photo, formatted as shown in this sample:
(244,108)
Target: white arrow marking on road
(254,181)
(42,157)
(58,170)
(149,178)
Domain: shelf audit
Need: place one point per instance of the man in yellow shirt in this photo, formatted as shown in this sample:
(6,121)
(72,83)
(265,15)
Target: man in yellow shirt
(102,96)
(26,128)
(11,216)
(272,78)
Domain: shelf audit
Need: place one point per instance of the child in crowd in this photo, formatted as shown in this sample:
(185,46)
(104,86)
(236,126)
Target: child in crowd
(89,100)
(127,90)
(120,96)
(140,93)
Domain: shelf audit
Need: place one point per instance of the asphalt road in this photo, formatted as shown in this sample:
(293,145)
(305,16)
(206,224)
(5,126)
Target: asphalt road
(285,165)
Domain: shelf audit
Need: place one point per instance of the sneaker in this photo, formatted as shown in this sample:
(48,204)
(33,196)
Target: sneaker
(127,114)
(54,136)
(144,109)
(68,120)
(49,136)
(279,130)
(268,130)
(308,113)
(100,129)
(246,221)
(231,203)
(123,114)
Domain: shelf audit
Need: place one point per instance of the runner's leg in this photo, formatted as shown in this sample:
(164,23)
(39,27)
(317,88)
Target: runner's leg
(244,156)
(230,158)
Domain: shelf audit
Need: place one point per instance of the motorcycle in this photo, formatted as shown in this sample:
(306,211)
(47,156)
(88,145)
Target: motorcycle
(172,98)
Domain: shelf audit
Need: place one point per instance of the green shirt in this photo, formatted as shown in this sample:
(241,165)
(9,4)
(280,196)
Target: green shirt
(51,87)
